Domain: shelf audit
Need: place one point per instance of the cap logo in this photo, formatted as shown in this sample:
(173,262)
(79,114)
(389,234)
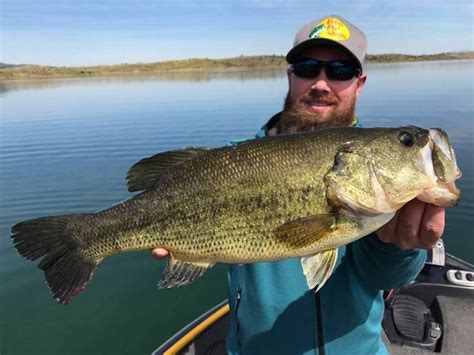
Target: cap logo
(330,28)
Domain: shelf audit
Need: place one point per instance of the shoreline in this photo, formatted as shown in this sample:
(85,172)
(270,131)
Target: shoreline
(242,63)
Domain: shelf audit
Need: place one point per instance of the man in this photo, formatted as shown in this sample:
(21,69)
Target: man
(272,310)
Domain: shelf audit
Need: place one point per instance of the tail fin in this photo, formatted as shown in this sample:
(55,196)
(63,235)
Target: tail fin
(67,269)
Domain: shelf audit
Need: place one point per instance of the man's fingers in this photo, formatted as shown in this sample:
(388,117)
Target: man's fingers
(432,226)
(415,225)
(386,233)
(159,253)
(409,221)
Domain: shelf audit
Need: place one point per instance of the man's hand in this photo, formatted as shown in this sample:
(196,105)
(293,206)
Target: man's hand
(159,253)
(415,225)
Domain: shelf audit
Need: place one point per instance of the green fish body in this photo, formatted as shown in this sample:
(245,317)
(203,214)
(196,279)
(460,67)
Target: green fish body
(269,199)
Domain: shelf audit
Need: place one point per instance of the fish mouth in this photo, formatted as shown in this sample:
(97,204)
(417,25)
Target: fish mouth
(440,166)
(444,150)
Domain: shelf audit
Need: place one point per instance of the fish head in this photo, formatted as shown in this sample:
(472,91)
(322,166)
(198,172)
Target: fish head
(382,169)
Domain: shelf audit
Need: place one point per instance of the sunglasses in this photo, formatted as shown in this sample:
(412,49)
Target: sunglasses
(335,69)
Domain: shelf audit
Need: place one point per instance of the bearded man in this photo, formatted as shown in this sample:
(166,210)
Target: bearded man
(272,310)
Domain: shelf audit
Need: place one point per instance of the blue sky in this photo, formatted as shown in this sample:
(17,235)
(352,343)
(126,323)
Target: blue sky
(88,32)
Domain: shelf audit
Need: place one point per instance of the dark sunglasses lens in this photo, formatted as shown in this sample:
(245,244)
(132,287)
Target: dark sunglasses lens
(307,69)
(341,71)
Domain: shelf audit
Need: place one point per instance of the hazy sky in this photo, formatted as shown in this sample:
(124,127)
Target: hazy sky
(82,32)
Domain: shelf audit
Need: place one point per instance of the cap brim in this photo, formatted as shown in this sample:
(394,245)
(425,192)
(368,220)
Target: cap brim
(295,53)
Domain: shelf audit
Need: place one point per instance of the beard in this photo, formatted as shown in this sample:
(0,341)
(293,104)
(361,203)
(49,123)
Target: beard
(296,117)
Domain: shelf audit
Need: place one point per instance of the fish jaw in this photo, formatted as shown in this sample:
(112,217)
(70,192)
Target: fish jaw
(441,194)
(439,165)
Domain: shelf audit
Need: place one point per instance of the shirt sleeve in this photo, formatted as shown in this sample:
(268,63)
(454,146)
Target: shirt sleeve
(384,265)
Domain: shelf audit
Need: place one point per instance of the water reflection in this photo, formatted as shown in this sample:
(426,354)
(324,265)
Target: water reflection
(183,76)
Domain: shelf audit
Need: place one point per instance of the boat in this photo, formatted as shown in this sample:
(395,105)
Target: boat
(432,315)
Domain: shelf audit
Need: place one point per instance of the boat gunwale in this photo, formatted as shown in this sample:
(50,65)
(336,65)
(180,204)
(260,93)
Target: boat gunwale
(191,331)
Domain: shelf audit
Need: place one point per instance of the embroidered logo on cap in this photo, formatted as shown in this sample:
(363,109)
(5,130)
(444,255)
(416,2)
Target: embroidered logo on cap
(331,28)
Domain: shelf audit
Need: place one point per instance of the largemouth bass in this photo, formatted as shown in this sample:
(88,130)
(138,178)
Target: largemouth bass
(299,195)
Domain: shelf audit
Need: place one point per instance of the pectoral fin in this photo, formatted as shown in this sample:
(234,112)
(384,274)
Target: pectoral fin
(180,273)
(304,231)
(318,268)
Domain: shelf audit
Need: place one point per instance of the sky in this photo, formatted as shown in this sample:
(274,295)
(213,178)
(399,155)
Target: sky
(84,32)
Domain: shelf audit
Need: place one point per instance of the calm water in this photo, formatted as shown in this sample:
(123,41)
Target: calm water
(66,145)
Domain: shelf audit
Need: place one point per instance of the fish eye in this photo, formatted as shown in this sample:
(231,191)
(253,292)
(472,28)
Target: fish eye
(406,138)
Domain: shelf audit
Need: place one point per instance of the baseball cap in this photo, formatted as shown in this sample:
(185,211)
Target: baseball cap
(330,29)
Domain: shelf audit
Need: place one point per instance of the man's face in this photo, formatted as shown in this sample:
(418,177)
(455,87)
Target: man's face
(320,102)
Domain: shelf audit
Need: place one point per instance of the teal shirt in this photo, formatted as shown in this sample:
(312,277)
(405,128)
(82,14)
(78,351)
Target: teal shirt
(273,312)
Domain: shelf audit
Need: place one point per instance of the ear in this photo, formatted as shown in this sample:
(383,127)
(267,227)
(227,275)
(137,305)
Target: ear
(361,83)
(288,74)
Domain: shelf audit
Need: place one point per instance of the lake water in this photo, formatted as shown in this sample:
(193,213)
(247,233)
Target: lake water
(66,145)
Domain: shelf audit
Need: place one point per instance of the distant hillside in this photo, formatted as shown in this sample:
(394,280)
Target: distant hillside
(396,57)
(5,65)
(237,63)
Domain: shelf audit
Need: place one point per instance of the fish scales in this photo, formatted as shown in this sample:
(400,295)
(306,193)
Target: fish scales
(172,223)
(261,200)
(171,229)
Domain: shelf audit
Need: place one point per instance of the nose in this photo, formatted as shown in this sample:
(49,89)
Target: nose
(321,82)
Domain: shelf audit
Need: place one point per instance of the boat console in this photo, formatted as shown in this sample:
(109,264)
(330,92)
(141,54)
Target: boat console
(434,314)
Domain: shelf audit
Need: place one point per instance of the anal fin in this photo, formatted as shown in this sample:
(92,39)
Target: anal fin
(180,273)
(318,268)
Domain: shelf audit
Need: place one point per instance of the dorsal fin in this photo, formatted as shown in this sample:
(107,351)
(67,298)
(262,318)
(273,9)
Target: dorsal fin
(147,171)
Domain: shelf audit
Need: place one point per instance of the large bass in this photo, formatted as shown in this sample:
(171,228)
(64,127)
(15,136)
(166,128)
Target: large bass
(273,198)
